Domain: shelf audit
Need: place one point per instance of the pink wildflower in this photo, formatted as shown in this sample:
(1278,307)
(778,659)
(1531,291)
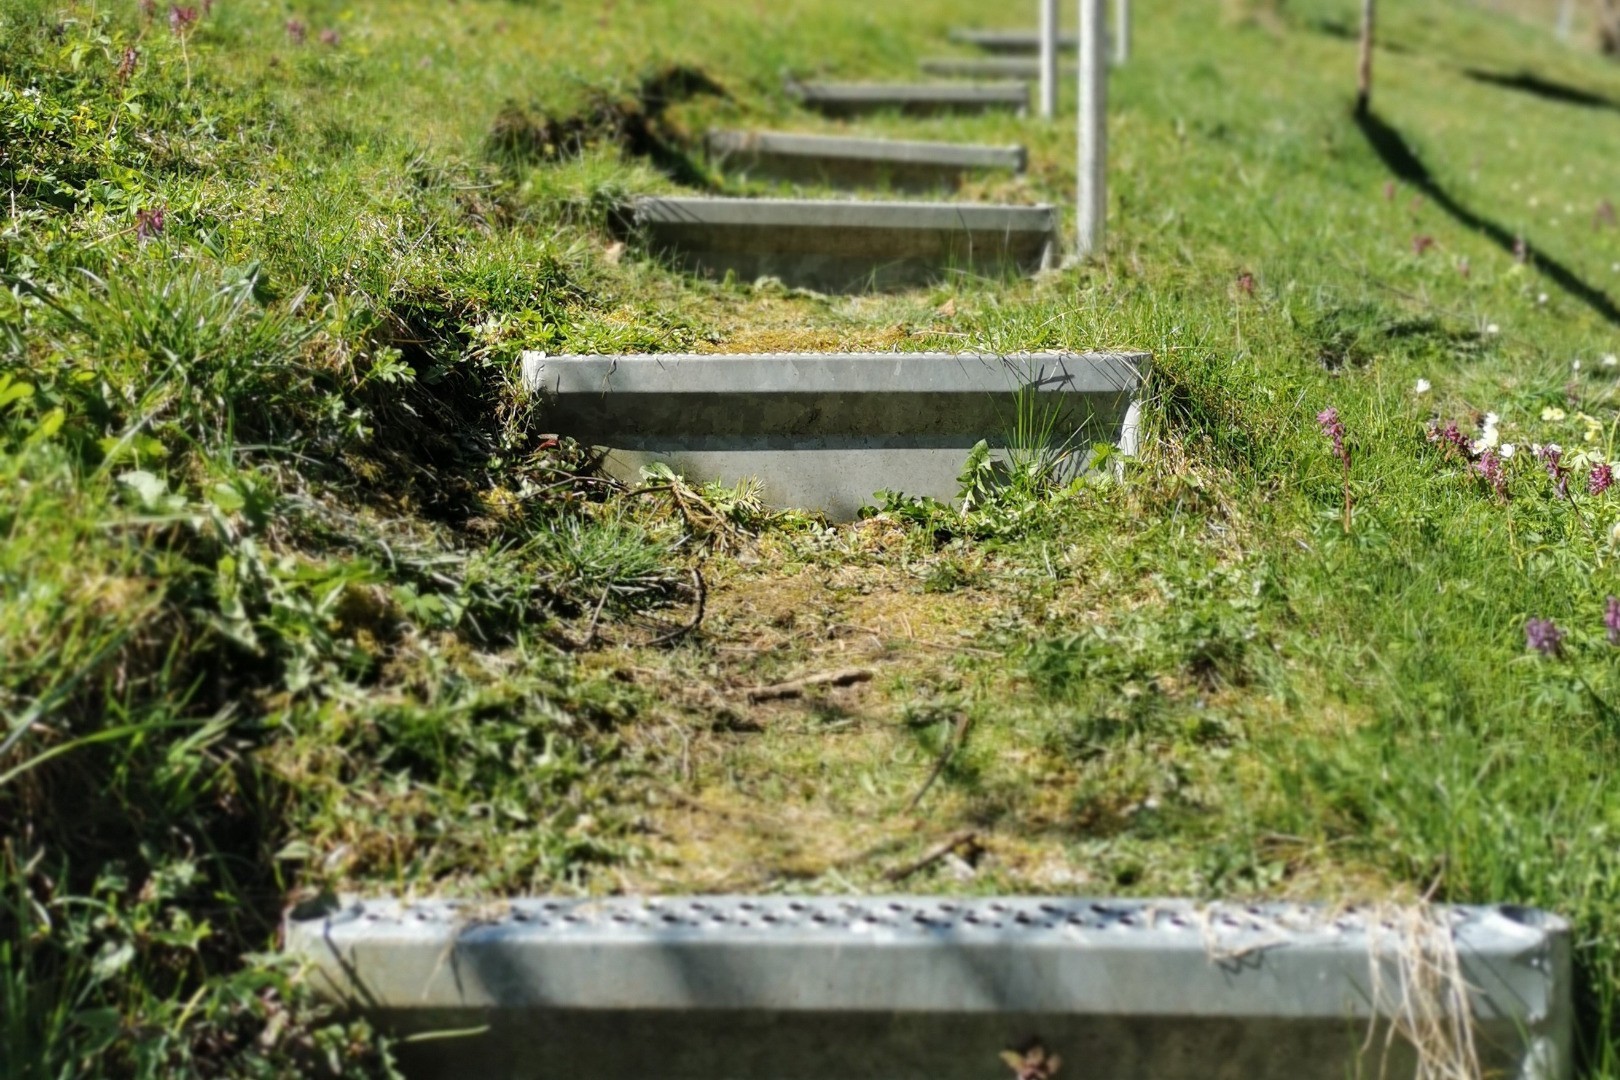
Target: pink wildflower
(1333,429)
(1543,636)
(1489,466)
(148,223)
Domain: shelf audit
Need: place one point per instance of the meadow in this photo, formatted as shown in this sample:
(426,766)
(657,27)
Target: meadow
(298,596)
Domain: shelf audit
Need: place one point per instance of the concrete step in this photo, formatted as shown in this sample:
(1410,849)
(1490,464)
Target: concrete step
(910,988)
(824,431)
(1011,41)
(989,67)
(847,246)
(917,99)
(842,161)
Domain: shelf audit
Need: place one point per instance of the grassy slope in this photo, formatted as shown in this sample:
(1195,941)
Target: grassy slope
(297,587)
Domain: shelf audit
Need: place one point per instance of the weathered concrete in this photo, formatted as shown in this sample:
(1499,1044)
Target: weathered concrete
(848,246)
(1010,41)
(987,67)
(852,99)
(896,988)
(842,161)
(824,431)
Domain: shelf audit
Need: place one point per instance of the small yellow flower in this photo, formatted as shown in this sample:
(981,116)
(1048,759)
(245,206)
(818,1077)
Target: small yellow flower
(1553,413)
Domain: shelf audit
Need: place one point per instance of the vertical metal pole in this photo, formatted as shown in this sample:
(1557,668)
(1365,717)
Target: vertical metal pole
(1122,31)
(1093,193)
(1049,58)
(1365,59)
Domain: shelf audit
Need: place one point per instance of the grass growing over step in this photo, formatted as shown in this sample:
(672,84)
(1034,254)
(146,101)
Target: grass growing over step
(300,595)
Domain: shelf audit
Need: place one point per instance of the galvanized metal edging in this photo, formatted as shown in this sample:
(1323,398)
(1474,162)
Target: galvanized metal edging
(938,987)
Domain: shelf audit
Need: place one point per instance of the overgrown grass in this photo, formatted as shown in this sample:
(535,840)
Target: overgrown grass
(300,596)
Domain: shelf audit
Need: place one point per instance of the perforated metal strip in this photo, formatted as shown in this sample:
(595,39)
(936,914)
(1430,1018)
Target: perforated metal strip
(938,987)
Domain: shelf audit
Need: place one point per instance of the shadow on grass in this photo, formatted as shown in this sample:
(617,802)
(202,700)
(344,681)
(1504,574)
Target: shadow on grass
(1405,164)
(1526,83)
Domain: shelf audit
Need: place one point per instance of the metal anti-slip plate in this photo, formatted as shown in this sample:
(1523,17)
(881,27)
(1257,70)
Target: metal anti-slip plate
(718,987)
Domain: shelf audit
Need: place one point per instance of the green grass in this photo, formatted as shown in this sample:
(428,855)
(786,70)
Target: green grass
(300,596)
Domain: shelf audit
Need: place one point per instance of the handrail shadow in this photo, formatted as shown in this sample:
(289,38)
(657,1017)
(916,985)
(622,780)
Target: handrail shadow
(1399,157)
(1527,82)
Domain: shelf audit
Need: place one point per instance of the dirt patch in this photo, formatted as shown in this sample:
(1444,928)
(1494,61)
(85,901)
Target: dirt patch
(527,134)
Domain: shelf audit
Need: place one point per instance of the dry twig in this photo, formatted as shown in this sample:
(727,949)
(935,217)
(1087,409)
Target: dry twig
(797,687)
(702,591)
(933,855)
(952,744)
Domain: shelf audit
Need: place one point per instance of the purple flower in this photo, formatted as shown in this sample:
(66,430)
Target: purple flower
(1599,479)
(1333,429)
(148,223)
(1611,619)
(1489,466)
(126,64)
(1450,435)
(1542,636)
(330,37)
(181,19)
(1552,457)
(297,31)
(1421,243)
(149,8)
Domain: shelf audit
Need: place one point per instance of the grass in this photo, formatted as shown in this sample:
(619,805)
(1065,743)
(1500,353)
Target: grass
(300,596)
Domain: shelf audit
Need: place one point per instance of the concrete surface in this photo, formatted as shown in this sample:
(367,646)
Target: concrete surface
(824,431)
(987,67)
(845,245)
(851,99)
(845,161)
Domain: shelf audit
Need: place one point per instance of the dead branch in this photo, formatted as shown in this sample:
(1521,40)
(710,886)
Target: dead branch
(952,745)
(932,855)
(702,591)
(797,687)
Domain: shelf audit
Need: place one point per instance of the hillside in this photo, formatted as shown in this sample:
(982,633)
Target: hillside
(300,596)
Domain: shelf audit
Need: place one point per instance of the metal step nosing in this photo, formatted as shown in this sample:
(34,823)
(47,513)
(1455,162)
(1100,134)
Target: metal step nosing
(1025,955)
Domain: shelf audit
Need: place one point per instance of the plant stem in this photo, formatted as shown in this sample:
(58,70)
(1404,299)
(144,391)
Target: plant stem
(1347,500)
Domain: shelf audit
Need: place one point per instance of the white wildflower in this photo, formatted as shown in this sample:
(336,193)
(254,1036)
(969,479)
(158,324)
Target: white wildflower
(1611,360)
(1422,386)
(1492,328)
(1508,450)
